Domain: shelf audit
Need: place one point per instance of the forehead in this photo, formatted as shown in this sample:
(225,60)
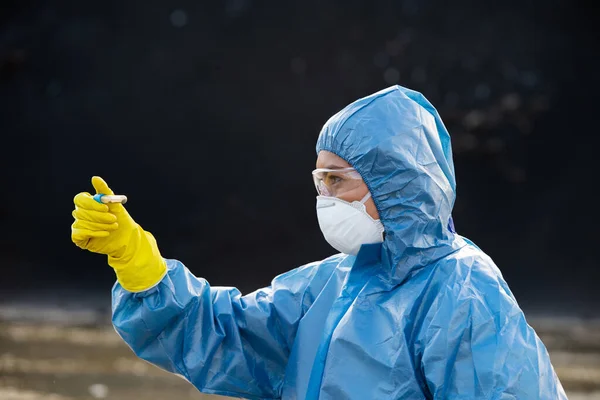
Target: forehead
(327,159)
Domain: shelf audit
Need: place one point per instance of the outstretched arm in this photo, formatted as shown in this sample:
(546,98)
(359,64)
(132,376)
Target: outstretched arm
(222,342)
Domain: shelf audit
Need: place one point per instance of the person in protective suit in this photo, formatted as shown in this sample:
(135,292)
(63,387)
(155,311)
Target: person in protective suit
(408,309)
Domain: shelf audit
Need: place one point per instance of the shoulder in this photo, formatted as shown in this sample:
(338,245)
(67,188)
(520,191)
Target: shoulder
(307,281)
(469,285)
(470,269)
(313,272)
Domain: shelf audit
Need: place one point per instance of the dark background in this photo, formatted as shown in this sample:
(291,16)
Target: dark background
(206,114)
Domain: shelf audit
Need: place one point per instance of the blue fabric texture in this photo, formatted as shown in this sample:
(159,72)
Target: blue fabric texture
(423,315)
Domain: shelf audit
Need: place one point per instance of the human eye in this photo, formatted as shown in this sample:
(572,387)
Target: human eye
(336,179)
(333,179)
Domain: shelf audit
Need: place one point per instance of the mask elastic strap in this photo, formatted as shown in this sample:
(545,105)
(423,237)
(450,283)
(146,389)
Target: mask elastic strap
(364,199)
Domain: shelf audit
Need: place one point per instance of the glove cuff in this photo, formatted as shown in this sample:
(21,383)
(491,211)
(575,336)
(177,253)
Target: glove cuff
(141,265)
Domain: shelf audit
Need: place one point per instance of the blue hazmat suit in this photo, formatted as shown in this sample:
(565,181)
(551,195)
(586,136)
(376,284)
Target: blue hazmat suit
(423,315)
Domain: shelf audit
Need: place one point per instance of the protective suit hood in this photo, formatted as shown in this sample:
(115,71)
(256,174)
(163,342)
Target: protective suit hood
(398,143)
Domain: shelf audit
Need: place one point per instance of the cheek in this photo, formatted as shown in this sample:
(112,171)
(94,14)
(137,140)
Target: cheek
(371,209)
(354,195)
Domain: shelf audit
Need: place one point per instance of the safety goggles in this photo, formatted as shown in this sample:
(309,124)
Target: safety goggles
(335,182)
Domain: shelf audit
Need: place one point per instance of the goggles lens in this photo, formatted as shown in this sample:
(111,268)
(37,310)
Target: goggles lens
(334,182)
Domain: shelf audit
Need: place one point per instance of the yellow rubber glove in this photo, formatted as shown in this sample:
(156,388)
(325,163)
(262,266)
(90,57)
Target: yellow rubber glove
(109,229)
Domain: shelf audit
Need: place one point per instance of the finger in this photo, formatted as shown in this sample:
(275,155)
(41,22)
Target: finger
(95,226)
(86,201)
(79,239)
(101,186)
(79,235)
(94,216)
(82,244)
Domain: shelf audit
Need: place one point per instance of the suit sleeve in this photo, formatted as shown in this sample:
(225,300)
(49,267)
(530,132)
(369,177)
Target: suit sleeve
(220,341)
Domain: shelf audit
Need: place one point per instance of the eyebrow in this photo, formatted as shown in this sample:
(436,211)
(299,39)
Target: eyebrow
(335,166)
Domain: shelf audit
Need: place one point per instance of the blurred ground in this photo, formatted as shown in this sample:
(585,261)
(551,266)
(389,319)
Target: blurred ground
(48,354)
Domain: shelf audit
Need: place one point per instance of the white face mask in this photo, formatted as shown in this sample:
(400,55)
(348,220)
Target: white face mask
(347,226)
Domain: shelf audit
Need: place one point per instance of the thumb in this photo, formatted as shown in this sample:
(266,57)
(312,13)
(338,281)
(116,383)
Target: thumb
(101,186)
